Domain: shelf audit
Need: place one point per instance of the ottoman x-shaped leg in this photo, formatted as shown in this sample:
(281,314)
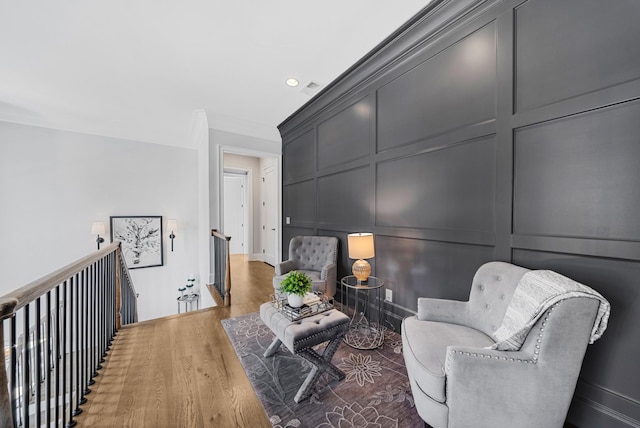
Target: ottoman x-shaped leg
(321,364)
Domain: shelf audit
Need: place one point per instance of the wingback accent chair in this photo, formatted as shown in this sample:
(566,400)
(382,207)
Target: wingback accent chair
(317,257)
(458,380)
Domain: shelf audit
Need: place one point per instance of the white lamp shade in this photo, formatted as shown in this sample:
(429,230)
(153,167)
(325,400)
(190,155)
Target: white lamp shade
(361,245)
(172,225)
(97,228)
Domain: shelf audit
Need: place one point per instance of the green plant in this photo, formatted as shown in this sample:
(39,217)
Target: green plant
(296,283)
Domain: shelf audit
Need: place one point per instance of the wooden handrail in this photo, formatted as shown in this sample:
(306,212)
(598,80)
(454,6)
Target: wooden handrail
(217,234)
(16,299)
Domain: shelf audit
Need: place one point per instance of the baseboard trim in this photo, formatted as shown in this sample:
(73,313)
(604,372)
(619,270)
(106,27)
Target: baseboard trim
(595,407)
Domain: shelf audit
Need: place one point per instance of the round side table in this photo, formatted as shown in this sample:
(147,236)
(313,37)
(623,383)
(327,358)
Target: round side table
(364,306)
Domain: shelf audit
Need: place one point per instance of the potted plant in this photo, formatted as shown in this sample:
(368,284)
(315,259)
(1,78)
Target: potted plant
(296,285)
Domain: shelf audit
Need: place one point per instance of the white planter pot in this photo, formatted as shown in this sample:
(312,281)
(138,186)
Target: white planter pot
(295,300)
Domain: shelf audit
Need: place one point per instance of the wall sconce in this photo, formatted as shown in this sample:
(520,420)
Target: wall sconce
(97,228)
(172,225)
(361,247)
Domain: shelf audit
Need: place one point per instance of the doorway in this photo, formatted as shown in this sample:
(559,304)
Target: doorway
(270,212)
(262,206)
(236,211)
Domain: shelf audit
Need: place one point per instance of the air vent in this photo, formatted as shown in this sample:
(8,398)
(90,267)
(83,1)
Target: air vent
(310,88)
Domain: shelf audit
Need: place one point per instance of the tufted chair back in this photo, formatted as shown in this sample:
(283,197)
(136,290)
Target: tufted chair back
(317,256)
(491,291)
(313,252)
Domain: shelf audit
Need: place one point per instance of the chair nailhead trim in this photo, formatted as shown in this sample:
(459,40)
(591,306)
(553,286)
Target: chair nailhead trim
(534,358)
(310,341)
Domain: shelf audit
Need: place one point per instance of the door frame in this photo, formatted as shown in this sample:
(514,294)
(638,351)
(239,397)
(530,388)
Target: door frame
(247,201)
(222,149)
(268,163)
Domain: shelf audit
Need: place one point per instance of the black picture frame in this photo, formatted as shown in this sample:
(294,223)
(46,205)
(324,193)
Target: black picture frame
(141,238)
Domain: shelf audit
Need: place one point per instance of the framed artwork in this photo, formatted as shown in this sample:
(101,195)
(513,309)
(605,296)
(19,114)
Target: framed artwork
(141,238)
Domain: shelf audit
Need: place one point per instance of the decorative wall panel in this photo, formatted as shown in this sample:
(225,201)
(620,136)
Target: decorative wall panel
(580,175)
(299,157)
(301,202)
(416,268)
(451,188)
(462,78)
(347,132)
(345,198)
(570,48)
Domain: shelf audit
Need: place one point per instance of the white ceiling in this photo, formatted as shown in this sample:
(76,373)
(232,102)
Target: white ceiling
(140,69)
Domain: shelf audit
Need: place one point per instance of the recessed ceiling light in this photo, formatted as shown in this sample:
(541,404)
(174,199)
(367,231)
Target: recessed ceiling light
(292,82)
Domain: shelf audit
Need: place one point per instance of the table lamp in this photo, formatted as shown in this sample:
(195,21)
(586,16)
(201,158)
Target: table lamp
(360,248)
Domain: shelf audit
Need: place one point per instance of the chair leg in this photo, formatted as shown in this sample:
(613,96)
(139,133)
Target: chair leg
(322,363)
(273,348)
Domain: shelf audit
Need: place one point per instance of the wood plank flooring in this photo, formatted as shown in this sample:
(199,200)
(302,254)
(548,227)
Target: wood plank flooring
(181,371)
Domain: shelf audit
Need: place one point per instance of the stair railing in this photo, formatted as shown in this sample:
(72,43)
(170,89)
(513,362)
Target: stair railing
(222,266)
(56,332)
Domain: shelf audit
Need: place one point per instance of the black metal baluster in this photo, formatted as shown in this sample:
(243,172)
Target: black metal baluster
(38,361)
(108,311)
(76,313)
(99,312)
(103,308)
(48,359)
(92,325)
(107,307)
(68,380)
(124,295)
(63,339)
(114,309)
(85,334)
(14,372)
(25,366)
(58,355)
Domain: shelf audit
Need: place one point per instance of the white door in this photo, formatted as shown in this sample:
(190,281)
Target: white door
(234,211)
(270,213)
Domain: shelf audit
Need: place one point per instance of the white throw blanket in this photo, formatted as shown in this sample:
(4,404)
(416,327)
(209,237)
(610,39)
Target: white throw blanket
(536,292)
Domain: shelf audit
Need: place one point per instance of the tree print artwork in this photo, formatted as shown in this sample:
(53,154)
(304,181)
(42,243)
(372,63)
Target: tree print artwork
(141,239)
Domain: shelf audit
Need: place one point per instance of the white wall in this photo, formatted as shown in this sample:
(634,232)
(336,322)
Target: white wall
(54,184)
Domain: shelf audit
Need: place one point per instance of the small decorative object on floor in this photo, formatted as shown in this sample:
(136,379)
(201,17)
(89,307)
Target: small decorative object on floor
(190,282)
(296,284)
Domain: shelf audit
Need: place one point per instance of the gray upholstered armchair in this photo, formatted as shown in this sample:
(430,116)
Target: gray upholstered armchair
(317,257)
(459,378)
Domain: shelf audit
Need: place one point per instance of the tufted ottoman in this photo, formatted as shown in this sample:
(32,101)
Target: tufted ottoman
(301,335)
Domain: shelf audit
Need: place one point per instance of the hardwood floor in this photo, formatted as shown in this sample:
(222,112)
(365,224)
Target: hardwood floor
(181,371)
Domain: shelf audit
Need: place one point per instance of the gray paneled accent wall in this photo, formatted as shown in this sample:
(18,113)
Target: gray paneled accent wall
(489,130)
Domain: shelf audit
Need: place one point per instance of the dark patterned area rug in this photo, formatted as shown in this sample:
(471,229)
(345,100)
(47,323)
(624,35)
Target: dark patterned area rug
(375,392)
